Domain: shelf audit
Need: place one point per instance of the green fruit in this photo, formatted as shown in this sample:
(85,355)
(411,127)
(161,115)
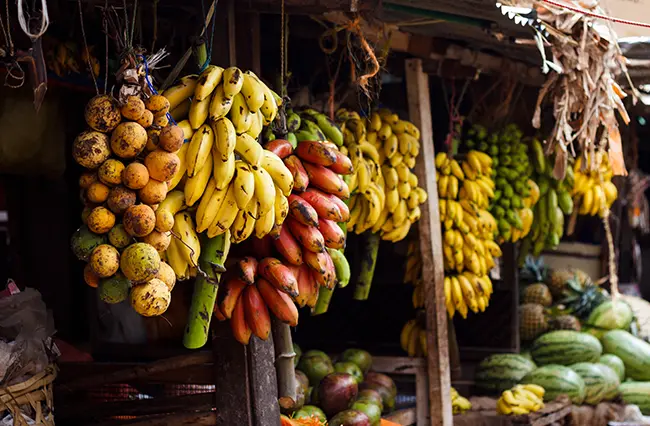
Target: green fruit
(508,192)
(499,212)
(551,203)
(601,381)
(470,143)
(504,202)
(505,149)
(557,380)
(637,393)
(634,352)
(500,372)
(543,186)
(309,411)
(315,366)
(505,160)
(373,397)
(500,182)
(495,163)
(114,289)
(520,187)
(493,150)
(369,409)
(515,202)
(483,146)
(497,195)
(83,242)
(298,352)
(349,368)
(615,363)
(566,347)
(361,358)
(565,202)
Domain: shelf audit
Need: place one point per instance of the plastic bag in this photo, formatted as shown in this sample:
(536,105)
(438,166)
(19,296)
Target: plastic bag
(26,329)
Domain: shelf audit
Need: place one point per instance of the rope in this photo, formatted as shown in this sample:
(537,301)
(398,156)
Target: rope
(45,22)
(105,23)
(597,15)
(208,58)
(90,65)
(283,46)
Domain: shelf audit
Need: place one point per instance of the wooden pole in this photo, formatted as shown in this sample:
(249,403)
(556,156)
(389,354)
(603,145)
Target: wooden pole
(417,84)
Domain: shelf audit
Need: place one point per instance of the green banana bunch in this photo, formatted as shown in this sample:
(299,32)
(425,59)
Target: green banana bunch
(554,203)
(512,201)
(306,124)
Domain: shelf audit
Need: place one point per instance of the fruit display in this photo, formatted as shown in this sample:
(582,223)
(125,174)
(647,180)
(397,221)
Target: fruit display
(557,380)
(343,391)
(593,191)
(521,399)
(122,189)
(500,372)
(637,393)
(615,363)
(532,321)
(413,338)
(385,195)
(459,404)
(465,190)
(601,382)
(514,193)
(566,347)
(634,352)
(251,291)
(554,202)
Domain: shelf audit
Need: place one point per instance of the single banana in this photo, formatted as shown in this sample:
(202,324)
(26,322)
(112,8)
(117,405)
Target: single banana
(233,80)
(281,175)
(181,91)
(195,186)
(244,182)
(223,171)
(253,93)
(225,137)
(208,81)
(239,114)
(199,150)
(249,149)
(264,190)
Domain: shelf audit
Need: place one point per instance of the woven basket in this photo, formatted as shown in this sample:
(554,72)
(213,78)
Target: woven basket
(36,392)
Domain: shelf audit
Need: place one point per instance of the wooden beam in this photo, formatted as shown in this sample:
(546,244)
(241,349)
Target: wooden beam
(263,383)
(310,7)
(399,41)
(417,85)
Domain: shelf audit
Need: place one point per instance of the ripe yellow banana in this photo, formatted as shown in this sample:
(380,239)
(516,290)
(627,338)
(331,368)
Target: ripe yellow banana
(181,91)
(244,225)
(176,260)
(226,214)
(280,174)
(199,112)
(182,167)
(208,81)
(195,185)
(239,114)
(188,244)
(199,149)
(220,105)
(209,206)
(264,224)
(172,204)
(223,171)
(233,80)
(280,207)
(225,137)
(264,190)
(244,182)
(253,92)
(249,149)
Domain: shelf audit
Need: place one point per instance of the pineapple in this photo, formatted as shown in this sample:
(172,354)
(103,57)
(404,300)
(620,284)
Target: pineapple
(532,321)
(565,322)
(558,279)
(538,293)
(580,299)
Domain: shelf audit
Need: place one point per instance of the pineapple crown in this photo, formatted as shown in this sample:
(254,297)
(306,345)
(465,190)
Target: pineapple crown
(534,270)
(579,300)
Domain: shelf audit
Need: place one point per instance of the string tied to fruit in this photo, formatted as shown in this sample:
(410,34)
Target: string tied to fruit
(147,79)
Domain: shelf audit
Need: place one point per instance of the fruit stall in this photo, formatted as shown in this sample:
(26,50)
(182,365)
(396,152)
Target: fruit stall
(318,212)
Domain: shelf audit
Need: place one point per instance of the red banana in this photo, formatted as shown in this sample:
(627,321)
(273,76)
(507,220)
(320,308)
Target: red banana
(280,147)
(324,206)
(326,277)
(257,314)
(308,236)
(343,208)
(218,314)
(317,261)
(302,211)
(325,179)
(240,328)
(279,275)
(278,302)
(300,178)
(288,247)
(343,164)
(246,269)
(332,232)
(274,233)
(228,294)
(316,152)
(303,276)
(315,288)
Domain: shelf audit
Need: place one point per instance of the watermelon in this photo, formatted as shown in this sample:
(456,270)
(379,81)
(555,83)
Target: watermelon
(499,372)
(610,315)
(615,363)
(557,380)
(637,393)
(634,352)
(601,382)
(566,347)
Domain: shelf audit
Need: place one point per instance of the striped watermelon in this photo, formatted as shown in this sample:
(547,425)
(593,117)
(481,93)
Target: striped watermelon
(557,380)
(637,393)
(566,347)
(601,382)
(615,363)
(634,352)
(610,315)
(499,372)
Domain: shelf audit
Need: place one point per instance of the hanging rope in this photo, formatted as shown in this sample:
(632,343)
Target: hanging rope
(45,22)
(283,48)
(90,65)
(105,24)
(147,78)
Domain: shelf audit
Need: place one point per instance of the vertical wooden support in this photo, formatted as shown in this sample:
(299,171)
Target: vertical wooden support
(264,385)
(417,84)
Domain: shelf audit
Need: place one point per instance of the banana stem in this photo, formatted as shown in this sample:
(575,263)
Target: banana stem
(368,263)
(213,255)
(323,303)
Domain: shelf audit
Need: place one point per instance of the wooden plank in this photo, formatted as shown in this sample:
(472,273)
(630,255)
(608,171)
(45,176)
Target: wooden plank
(197,374)
(231,378)
(417,84)
(510,275)
(263,383)
(397,365)
(421,397)
(307,7)
(138,372)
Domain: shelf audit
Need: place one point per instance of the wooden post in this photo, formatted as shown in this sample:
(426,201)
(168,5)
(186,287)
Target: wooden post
(263,383)
(417,84)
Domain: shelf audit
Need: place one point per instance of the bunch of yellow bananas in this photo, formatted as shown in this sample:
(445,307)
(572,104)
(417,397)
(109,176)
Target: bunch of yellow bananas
(465,190)
(413,271)
(385,196)
(459,404)
(522,399)
(222,113)
(413,338)
(184,248)
(593,189)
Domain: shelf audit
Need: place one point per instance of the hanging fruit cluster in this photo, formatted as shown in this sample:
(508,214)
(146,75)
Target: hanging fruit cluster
(512,202)
(465,190)
(593,191)
(122,188)
(553,202)
(413,338)
(312,238)
(385,195)
(306,124)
